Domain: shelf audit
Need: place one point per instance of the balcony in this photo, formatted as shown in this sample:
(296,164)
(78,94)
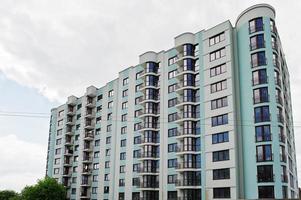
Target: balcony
(188,166)
(265,178)
(87,159)
(187,116)
(149,112)
(275,46)
(68,142)
(88,148)
(189,183)
(280,118)
(282,138)
(67,163)
(148,155)
(148,185)
(89,135)
(149,141)
(149,126)
(284,178)
(154,85)
(181,101)
(188,132)
(188,149)
(255,45)
(87,171)
(68,152)
(279,100)
(276,63)
(90,114)
(153,98)
(153,170)
(182,85)
(67,173)
(89,125)
(71,111)
(70,121)
(85,183)
(90,103)
(283,158)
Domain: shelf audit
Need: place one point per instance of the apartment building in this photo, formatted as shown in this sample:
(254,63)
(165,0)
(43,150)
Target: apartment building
(210,118)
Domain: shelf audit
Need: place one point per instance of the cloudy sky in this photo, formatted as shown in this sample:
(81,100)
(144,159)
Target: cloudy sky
(50,49)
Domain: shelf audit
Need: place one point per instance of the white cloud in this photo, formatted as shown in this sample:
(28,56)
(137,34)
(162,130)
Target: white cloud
(22,163)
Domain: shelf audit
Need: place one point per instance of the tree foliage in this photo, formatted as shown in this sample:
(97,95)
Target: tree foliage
(46,189)
(8,195)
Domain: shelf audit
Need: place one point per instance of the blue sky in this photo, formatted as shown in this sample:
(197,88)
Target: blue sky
(51,49)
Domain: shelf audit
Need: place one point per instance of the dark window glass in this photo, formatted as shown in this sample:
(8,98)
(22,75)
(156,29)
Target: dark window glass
(262,114)
(264,153)
(259,77)
(220,137)
(266,192)
(220,155)
(258,59)
(260,95)
(221,193)
(265,173)
(256,25)
(263,133)
(219,174)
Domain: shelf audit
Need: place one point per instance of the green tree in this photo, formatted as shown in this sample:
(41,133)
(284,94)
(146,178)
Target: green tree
(45,189)
(8,195)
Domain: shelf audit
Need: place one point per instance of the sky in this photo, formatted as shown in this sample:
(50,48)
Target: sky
(51,49)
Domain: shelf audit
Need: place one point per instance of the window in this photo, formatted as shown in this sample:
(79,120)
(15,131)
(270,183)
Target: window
(58,151)
(122,169)
(77,127)
(56,170)
(137,113)
(172,74)
(136,167)
(122,156)
(172,132)
(136,153)
(59,132)
(172,102)
(99,108)
(217,38)
(107,164)
(258,59)
(219,103)
(262,114)
(256,25)
(263,133)
(74,179)
(121,196)
(219,86)
(75,159)
(220,69)
(125,81)
(96,166)
(219,174)
(106,177)
(137,139)
(97,131)
(123,143)
(172,60)
(172,147)
(57,161)
(111,93)
(123,130)
(96,154)
(125,93)
(259,77)
(172,163)
(135,182)
(60,122)
(172,88)
(264,153)
(106,189)
(74,169)
(97,143)
(79,106)
(217,54)
(220,137)
(137,100)
(171,179)
(137,88)
(99,97)
(121,182)
(58,141)
(257,42)
(98,120)
(220,155)
(109,116)
(108,152)
(61,113)
(265,173)
(124,117)
(220,193)
(266,192)
(219,120)
(260,95)
(76,147)
(110,104)
(109,128)
(137,126)
(138,74)
(172,117)
(124,105)
(73,191)
(108,140)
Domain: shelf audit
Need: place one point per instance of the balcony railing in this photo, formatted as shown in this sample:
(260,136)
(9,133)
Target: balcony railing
(188,148)
(149,184)
(282,137)
(188,165)
(188,182)
(148,170)
(148,155)
(265,177)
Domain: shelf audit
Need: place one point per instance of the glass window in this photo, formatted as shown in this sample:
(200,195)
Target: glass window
(259,77)
(263,133)
(257,42)
(264,153)
(262,114)
(219,174)
(220,155)
(258,59)
(261,95)
(256,25)
(220,193)
(220,137)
